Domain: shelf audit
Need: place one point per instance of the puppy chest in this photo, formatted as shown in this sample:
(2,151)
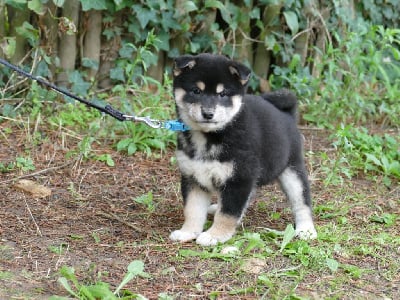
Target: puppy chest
(210,174)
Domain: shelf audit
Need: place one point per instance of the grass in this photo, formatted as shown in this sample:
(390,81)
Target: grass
(355,250)
(113,206)
(355,256)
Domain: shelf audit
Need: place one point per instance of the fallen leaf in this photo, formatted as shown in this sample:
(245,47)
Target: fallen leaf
(253,265)
(33,188)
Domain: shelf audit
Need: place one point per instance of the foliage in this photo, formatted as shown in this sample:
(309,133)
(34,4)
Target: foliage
(99,290)
(372,154)
(359,80)
(146,200)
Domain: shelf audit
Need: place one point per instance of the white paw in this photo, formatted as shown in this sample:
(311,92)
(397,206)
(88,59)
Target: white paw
(306,232)
(212,209)
(207,239)
(183,236)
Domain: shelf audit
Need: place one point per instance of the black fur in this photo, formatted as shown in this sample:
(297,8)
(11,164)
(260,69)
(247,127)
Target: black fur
(261,139)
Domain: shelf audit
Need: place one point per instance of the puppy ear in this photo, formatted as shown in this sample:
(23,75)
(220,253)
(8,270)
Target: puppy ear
(242,72)
(182,62)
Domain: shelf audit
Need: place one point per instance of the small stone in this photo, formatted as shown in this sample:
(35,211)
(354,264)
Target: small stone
(229,250)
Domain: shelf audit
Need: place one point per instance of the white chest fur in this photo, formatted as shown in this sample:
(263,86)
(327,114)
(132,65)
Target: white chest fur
(204,167)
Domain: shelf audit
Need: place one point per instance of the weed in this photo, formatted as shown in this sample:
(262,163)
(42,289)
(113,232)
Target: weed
(24,164)
(96,237)
(59,249)
(7,167)
(385,218)
(107,158)
(100,290)
(359,85)
(146,200)
(372,154)
(4,275)
(76,195)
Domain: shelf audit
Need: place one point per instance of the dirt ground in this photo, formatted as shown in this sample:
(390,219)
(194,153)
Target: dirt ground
(91,221)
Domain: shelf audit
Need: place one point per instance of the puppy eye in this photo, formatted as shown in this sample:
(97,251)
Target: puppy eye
(223,93)
(196,91)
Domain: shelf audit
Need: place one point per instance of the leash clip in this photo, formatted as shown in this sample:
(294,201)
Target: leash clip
(147,120)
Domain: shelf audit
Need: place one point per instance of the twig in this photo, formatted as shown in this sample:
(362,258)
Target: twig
(310,128)
(37,172)
(32,217)
(114,217)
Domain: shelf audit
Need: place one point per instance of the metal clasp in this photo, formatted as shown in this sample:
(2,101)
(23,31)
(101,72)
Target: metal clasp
(147,120)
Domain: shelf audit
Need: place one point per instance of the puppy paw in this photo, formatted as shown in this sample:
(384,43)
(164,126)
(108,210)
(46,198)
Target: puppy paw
(212,209)
(306,232)
(207,239)
(183,236)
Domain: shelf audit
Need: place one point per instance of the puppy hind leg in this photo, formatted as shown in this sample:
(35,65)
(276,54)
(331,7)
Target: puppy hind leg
(297,191)
(195,212)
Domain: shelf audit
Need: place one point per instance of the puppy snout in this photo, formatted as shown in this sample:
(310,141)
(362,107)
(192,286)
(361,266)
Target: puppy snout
(207,113)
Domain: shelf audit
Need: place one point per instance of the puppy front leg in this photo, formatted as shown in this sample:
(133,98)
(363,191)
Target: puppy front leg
(234,199)
(222,229)
(196,204)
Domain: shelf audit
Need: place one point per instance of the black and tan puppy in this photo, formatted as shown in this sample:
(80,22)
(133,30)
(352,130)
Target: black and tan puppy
(236,142)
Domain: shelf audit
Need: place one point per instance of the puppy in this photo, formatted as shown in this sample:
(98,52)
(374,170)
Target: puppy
(236,142)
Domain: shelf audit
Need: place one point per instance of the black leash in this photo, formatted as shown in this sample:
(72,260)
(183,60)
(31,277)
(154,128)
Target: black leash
(173,125)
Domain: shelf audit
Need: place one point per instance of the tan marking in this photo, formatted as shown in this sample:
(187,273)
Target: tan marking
(191,64)
(220,88)
(179,94)
(235,71)
(177,72)
(224,226)
(244,81)
(201,85)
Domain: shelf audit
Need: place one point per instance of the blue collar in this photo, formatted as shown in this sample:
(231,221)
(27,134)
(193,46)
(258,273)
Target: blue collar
(175,125)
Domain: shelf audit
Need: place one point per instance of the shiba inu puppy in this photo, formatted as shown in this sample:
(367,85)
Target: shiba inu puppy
(236,142)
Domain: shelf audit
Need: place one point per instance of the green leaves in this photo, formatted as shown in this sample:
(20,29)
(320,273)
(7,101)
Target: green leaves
(371,153)
(288,236)
(144,14)
(93,4)
(29,32)
(292,21)
(59,3)
(36,6)
(135,268)
(98,290)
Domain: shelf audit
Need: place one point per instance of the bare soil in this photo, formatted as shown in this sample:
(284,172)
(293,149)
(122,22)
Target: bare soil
(91,222)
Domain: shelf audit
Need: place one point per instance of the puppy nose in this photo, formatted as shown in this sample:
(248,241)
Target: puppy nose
(207,114)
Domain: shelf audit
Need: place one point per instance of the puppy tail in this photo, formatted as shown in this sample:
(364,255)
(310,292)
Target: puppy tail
(282,99)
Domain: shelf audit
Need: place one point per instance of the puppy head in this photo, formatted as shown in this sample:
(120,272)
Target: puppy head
(208,90)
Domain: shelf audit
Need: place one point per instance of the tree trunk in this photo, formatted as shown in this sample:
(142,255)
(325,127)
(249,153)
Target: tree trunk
(92,41)
(262,58)
(49,26)
(157,71)
(68,42)
(16,18)
(109,53)
(242,43)
(179,41)
(321,39)
(2,26)
(301,46)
